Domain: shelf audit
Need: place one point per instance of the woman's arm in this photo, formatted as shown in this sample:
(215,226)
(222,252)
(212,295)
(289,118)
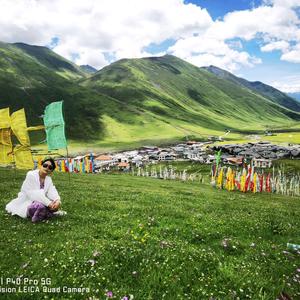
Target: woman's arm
(32,190)
(52,193)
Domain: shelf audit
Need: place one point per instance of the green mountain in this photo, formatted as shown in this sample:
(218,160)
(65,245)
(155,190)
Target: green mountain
(32,77)
(258,87)
(88,69)
(134,100)
(49,59)
(177,92)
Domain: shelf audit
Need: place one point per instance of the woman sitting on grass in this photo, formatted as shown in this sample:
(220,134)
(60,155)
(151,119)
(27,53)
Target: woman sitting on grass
(38,198)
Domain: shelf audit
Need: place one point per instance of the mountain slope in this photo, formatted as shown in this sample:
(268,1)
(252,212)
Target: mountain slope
(256,86)
(47,58)
(154,99)
(32,82)
(173,89)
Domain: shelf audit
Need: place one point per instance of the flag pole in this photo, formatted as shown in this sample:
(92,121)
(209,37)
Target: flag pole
(68,164)
(14,159)
(67,150)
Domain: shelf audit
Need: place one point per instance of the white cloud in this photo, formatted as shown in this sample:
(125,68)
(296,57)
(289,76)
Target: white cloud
(289,84)
(278,45)
(265,21)
(293,55)
(120,27)
(88,29)
(275,26)
(207,51)
(286,3)
(91,57)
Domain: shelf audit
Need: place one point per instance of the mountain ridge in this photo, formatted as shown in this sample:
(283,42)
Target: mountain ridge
(266,90)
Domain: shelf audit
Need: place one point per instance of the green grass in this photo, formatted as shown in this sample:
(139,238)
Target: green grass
(156,240)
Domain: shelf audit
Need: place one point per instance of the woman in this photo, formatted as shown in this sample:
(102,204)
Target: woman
(38,198)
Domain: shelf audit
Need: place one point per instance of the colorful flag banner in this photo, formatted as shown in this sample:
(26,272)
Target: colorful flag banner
(19,127)
(256,181)
(22,153)
(23,157)
(55,126)
(5,137)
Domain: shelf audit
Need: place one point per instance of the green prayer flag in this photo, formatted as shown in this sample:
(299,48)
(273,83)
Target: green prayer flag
(55,126)
(218,157)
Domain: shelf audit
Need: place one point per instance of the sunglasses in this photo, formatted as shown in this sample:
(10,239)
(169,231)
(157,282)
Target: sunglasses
(46,166)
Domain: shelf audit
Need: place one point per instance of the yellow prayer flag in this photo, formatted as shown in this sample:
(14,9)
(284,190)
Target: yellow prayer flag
(87,165)
(4,118)
(243,181)
(23,157)
(220,179)
(19,127)
(5,137)
(5,146)
(63,166)
(255,183)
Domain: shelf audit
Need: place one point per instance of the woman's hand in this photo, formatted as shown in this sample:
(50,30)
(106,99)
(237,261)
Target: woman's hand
(54,205)
(51,205)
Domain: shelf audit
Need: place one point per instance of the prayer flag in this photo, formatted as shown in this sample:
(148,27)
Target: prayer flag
(5,137)
(22,152)
(218,157)
(19,127)
(55,126)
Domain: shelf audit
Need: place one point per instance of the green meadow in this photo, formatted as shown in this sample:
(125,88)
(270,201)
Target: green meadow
(152,239)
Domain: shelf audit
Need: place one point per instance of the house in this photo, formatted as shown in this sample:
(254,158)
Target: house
(90,155)
(137,160)
(146,149)
(261,163)
(235,160)
(210,159)
(178,149)
(164,155)
(153,155)
(103,160)
(191,142)
(121,157)
(79,157)
(123,166)
(194,155)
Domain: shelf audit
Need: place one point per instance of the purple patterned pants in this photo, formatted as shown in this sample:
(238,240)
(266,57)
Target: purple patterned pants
(38,212)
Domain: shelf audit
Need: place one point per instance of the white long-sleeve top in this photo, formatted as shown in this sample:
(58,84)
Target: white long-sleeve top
(31,191)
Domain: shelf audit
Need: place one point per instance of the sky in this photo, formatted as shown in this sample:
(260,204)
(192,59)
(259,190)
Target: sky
(253,39)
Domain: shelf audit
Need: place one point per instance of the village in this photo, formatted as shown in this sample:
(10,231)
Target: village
(259,154)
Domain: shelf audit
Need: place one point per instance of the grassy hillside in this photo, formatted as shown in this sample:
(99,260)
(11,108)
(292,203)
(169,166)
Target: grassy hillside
(258,87)
(175,90)
(47,58)
(134,101)
(31,78)
(153,239)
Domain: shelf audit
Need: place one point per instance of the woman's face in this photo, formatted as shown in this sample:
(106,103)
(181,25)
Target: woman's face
(47,168)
